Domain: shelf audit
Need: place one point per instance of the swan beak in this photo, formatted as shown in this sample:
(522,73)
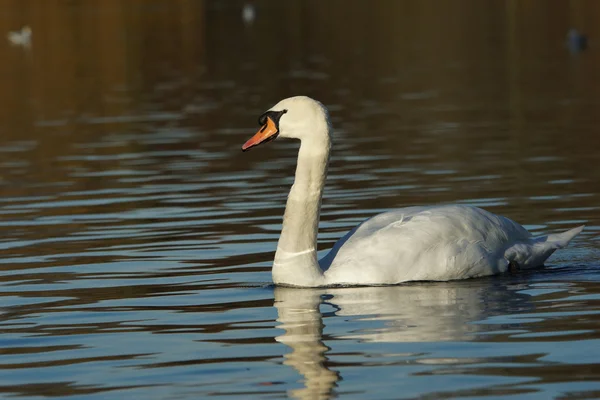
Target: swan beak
(267,132)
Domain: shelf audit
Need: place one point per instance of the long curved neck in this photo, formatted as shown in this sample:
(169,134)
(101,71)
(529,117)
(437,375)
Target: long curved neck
(296,256)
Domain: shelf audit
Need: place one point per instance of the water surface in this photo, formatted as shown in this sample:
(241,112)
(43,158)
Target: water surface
(136,239)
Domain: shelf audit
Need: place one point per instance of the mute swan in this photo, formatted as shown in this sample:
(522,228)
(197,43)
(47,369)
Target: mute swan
(435,243)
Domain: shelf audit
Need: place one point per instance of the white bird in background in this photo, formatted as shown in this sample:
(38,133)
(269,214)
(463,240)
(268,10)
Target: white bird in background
(424,243)
(20,38)
(248,14)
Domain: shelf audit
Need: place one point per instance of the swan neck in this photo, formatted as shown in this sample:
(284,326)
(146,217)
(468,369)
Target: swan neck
(296,256)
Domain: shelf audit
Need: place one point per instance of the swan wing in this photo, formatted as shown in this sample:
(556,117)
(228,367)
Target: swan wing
(427,243)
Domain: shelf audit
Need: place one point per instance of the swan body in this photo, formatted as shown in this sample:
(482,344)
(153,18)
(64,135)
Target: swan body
(435,243)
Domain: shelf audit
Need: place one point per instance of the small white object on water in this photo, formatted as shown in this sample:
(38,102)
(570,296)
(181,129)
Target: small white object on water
(20,38)
(248,14)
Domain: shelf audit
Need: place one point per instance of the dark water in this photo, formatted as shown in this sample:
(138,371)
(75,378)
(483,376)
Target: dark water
(136,240)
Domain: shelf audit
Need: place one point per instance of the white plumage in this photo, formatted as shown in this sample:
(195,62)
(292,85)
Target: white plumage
(434,243)
(20,38)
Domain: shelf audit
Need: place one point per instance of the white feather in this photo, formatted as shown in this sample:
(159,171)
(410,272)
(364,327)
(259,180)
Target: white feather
(409,244)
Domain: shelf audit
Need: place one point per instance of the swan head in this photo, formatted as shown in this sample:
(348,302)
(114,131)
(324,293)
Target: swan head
(298,117)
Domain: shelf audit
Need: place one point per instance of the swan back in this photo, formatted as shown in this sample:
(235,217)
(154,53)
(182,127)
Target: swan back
(436,243)
(424,243)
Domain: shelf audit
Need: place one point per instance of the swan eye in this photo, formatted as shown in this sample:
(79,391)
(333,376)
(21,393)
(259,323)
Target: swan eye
(274,115)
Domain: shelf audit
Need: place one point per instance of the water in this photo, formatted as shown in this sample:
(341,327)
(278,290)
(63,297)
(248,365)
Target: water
(136,238)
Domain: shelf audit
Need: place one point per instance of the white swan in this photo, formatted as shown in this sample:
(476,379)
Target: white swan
(435,243)
(20,38)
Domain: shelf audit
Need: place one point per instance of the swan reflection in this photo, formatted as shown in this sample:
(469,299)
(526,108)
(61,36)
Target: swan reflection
(412,313)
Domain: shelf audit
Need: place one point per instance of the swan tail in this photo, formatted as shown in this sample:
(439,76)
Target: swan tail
(533,252)
(561,240)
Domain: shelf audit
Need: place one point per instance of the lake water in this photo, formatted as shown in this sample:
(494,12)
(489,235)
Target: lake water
(136,239)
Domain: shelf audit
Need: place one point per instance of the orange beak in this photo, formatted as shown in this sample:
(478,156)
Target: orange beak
(267,132)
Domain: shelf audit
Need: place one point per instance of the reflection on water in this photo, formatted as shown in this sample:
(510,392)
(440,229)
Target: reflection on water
(485,324)
(136,241)
(300,317)
(410,313)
